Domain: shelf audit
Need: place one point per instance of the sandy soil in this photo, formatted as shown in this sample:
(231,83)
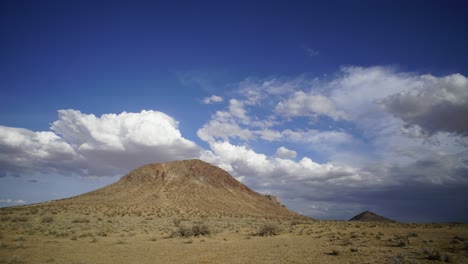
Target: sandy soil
(36,236)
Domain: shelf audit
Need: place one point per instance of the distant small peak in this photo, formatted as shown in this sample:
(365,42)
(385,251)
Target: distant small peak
(368,216)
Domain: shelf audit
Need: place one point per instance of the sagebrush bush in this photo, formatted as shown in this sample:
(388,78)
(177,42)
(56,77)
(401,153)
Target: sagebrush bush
(19,219)
(80,220)
(269,229)
(183,231)
(47,219)
(198,229)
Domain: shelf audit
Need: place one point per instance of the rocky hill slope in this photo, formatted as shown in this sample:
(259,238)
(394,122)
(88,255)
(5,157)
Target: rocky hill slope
(180,188)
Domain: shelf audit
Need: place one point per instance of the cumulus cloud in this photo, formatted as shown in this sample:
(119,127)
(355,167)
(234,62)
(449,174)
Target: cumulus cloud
(212,99)
(263,170)
(299,184)
(283,152)
(84,144)
(25,151)
(313,105)
(438,105)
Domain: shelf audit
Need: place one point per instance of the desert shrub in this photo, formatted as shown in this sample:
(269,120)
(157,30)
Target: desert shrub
(402,243)
(19,219)
(47,219)
(269,229)
(334,252)
(434,255)
(398,259)
(102,233)
(19,238)
(5,218)
(121,242)
(80,220)
(200,229)
(182,230)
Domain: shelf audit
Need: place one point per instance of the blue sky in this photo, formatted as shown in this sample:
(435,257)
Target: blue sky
(336,107)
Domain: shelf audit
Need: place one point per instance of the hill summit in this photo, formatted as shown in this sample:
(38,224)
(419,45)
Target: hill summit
(369,216)
(181,188)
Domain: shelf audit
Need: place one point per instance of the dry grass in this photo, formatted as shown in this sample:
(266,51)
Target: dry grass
(92,236)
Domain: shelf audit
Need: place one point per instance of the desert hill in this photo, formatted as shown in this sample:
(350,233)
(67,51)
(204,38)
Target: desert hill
(180,188)
(368,216)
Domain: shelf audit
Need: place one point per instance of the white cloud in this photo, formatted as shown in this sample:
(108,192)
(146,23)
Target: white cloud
(88,145)
(317,137)
(269,134)
(23,151)
(212,99)
(237,110)
(216,129)
(275,174)
(312,104)
(11,201)
(283,152)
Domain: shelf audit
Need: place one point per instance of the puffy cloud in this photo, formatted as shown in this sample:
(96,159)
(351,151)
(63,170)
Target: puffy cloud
(223,130)
(118,132)
(212,99)
(269,134)
(313,105)
(25,151)
(439,104)
(88,145)
(237,110)
(283,152)
(260,171)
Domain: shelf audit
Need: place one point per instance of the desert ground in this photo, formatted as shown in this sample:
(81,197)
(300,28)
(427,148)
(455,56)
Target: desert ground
(54,234)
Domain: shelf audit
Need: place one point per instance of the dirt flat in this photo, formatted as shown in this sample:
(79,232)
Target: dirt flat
(35,236)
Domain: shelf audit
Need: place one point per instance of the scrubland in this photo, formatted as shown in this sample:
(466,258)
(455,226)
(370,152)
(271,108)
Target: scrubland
(54,234)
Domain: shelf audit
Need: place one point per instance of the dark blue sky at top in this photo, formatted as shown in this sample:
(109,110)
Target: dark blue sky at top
(101,56)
